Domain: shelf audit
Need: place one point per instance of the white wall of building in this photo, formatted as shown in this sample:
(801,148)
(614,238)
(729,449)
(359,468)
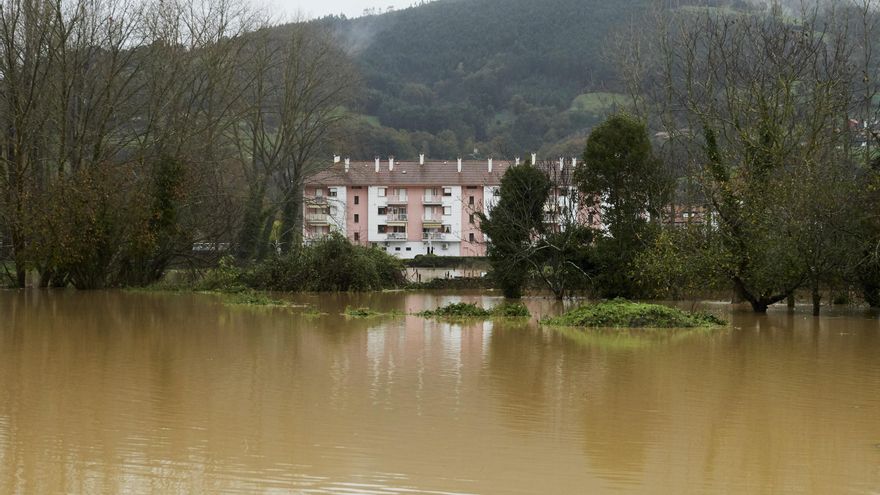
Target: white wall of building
(338,209)
(374,202)
(454,221)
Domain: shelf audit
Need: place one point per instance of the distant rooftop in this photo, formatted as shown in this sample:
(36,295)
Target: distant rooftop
(411,173)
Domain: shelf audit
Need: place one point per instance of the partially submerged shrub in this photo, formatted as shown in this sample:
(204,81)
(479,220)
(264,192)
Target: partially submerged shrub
(331,265)
(511,310)
(226,277)
(471,310)
(252,298)
(625,314)
(367,313)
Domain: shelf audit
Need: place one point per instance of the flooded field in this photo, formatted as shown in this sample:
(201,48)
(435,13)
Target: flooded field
(115,392)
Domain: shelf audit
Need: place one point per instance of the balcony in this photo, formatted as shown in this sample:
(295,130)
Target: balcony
(397,200)
(397,236)
(551,218)
(432,199)
(433,236)
(317,200)
(397,218)
(318,218)
(432,220)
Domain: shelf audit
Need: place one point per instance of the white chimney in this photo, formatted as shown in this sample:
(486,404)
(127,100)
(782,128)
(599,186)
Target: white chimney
(378,164)
(534,158)
(459,165)
(490,165)
(422,159)
(336,159)
(347,164)
(574,163)
(561,164)
(390,163)
(517,160)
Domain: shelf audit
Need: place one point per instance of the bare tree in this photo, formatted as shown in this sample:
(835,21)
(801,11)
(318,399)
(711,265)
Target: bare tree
(761,100)
(301,85)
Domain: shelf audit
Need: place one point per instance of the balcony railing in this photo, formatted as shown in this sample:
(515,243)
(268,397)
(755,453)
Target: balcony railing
(318,218)
(398,217)
(318,200)
(432,219)
(397,200)
(432,199)
(433,236)
(397,236)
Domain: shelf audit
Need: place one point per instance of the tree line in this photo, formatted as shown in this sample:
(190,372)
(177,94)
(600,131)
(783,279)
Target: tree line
(764,121)
(131,130)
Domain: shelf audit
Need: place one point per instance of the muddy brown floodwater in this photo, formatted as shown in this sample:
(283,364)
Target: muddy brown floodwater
(116,392)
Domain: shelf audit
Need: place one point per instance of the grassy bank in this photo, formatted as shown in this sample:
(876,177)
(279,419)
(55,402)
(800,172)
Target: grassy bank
(626,314)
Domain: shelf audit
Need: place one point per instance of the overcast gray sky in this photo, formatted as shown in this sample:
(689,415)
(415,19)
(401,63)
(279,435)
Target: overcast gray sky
(317,8)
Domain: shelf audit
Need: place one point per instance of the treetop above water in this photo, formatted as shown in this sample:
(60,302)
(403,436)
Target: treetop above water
(620,313)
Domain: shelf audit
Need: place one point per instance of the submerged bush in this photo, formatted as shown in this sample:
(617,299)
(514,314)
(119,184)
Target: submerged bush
(620,313)
(368,313)
(331,265)
(470,310)
(226,277)
(252,298)
(511,310)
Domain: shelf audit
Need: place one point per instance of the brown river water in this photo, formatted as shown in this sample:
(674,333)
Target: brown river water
(115,392)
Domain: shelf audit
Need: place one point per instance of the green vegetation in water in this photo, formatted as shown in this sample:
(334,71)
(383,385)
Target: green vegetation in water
(312,312)
(369,313)
(625,314)
(470,310)
(251,298)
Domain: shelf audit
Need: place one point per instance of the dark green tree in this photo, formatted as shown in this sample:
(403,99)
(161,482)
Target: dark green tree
(631,186)
(515,224)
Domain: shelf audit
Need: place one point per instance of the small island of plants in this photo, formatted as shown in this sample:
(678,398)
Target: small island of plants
(472,311)
(621,313)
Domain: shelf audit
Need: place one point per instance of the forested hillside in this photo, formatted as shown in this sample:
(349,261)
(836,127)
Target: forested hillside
(499,76)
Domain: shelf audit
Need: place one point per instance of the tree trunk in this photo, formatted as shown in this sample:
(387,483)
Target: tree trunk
(759,306)
(251,231)
(791,302)
(817,299)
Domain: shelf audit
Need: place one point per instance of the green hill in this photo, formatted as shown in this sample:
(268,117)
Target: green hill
(503,77)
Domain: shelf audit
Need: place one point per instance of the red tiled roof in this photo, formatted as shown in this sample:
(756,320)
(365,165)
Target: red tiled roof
(433,173)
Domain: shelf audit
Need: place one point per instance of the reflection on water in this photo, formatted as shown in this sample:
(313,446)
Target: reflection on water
(115,392)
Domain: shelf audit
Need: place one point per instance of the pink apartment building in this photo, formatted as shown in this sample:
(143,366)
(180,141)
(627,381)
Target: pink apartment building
(406,208)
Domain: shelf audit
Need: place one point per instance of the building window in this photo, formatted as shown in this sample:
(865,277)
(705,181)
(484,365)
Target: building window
(381,192)
(319,193)
(409,249)
(447,211)
(357,218)
(447,191)
(383,211)
(447,229)
(383,229)
(472,187)
(472,218)
(357,187)
(397,249)
(471,237)
(332,192)
(357,236)
(357,200)
(471,200)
